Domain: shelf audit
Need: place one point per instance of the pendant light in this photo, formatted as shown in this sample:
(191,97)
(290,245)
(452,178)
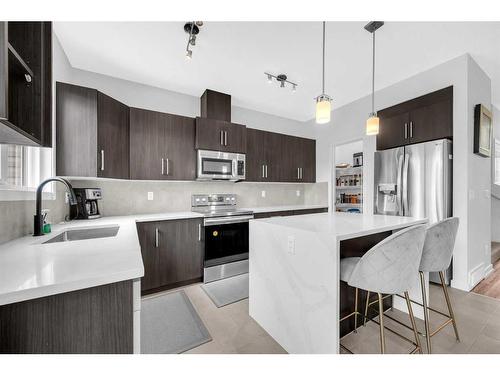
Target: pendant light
(323,101)
(372,124)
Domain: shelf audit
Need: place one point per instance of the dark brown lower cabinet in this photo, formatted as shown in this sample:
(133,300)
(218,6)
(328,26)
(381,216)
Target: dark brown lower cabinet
(172,253)
(96,320)
(265,215)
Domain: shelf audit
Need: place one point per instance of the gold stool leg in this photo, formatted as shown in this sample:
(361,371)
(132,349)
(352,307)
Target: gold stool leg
(366,307)
(413,324)
(448,302)
(426,312)
(356,310)
(381,318)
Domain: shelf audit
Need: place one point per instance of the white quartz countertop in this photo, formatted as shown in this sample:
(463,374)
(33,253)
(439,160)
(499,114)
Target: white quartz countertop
(285,208)
(344,225)
(30,269)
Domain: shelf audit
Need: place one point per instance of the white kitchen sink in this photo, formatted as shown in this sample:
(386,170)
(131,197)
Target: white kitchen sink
(84,234)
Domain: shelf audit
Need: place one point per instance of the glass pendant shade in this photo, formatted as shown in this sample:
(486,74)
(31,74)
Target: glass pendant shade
(372,125)
(323,110)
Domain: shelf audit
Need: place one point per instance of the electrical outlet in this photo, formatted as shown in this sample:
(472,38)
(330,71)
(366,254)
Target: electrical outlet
(263,193)
(472,194)
(150,195)
(291,244)
(298,193)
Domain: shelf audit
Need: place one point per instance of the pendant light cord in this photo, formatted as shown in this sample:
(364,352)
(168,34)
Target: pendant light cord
(323,82)
(373,73)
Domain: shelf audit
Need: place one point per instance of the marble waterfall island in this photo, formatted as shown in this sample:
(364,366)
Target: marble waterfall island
(294,273)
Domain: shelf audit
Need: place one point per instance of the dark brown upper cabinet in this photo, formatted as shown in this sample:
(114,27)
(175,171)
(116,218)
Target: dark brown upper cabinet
(422,119)
(92,133)
(220,135)
(172,253)
(273,157)
(26,83)
(298,159)
(161,146)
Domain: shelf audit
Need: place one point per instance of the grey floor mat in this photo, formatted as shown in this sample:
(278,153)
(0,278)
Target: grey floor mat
(226,291)
(170,324)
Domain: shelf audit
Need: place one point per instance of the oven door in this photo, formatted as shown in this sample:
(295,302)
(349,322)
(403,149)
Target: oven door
(215,165)
(226,240)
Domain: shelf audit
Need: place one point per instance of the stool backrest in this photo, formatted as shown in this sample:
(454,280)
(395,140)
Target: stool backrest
(391,266)
(438,245)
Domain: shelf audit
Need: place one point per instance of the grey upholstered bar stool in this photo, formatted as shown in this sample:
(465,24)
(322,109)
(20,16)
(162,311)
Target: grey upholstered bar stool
(436,257)
(390,267)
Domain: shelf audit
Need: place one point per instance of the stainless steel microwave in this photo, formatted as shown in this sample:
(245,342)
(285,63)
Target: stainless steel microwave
(216,165)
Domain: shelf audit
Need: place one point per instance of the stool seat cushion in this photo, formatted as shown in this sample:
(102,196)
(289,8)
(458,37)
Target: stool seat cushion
(347,266)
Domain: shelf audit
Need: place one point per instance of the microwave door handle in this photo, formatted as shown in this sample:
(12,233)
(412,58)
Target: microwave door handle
(235,169)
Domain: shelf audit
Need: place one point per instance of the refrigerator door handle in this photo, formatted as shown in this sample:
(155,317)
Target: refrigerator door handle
(406,208)
(399,187)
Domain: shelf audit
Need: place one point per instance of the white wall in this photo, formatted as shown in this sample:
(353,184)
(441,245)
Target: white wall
(344,153)
(348,123)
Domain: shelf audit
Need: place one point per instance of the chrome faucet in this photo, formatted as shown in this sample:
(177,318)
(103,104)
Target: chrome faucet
(38,219)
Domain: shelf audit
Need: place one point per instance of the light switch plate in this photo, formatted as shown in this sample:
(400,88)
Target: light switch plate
(150,196)
(291,244)
(263,193)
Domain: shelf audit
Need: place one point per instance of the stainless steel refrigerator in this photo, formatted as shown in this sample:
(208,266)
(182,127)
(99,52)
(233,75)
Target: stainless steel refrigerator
(415,180)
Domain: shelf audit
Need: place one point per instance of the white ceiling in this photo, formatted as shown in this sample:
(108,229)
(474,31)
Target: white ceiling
(232,56)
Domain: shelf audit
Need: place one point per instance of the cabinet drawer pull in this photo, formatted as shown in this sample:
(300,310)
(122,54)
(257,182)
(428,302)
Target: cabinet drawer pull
(266,170)
(168,163)
(263,171)
(406,130)
(162,166)
(298,173)
(157,237)
(102,160)
(301,174)
(411,129)
(199,232)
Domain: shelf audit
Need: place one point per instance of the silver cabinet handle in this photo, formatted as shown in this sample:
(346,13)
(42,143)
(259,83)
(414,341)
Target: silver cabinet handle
(225,138)
(168,173)
(411,129)
(406,130)
(301,173)
(157,237)
(162,166)
(298,173)
(102,160)
(266,170)
(263,171)
(222,138)
(199,232)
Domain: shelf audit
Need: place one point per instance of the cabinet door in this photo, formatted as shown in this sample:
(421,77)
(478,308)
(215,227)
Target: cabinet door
(256,155)
(179,155)
(434,121)
(182,251)
(112,138)
(308,160)
(209,134)
(147,145)
(151,254)
(76,131)
(393,130)
(274,156)
(235,138)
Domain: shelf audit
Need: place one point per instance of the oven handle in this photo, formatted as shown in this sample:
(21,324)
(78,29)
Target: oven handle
(226,220)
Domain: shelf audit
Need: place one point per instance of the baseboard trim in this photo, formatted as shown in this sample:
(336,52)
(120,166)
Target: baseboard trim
(488,270)
(476,275)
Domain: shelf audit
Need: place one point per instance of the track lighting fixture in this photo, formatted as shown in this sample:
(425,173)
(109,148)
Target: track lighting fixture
(193,29)
(282,79)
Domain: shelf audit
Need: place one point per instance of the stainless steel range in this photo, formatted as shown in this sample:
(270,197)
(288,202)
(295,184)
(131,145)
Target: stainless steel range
(226,235)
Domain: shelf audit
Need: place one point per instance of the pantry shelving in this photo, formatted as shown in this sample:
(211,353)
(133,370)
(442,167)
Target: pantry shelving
(349,189)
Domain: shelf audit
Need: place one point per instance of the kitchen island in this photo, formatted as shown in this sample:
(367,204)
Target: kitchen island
(295,292)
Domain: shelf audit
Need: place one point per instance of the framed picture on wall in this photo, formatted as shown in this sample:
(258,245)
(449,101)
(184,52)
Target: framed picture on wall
(482,131)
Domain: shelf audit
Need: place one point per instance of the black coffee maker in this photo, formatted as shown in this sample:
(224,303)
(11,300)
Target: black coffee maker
(86,207)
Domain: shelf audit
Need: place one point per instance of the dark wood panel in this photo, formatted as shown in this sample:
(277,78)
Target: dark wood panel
(256,156)
(392,131)
(433,121)
(308,160)
(180,151)
(76,130)
(4,74)
(113,137)
(216,105)
(150,255)
(210,135)
(93,321)
(310,211)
